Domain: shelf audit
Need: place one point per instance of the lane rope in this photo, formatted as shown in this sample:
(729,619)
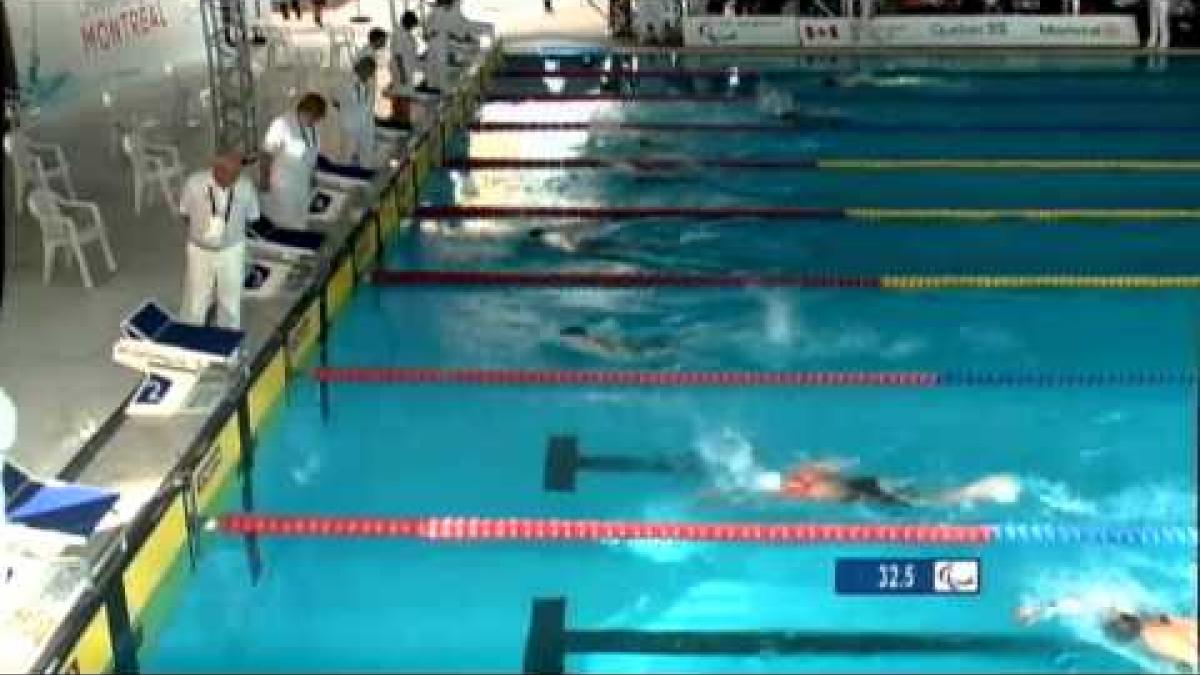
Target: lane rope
(475,529)
(472,279)
(890,97)
(537,73)
(734,378)
(935,216)
(829,125)
(562,163)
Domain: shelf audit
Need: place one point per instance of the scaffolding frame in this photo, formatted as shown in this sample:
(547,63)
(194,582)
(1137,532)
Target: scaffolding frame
(227,44)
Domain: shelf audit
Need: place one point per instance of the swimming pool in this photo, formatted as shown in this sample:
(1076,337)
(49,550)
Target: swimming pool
(1084,455)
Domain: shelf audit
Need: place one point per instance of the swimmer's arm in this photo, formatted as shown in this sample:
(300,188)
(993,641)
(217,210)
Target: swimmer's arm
(1065,606)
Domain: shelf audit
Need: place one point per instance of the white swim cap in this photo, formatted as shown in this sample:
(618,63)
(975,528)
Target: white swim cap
(768,481)
(8,422)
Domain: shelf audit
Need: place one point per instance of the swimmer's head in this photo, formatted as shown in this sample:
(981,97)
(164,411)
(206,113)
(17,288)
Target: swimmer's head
(573,332)
(1122,627)
(537,233)
(830,81)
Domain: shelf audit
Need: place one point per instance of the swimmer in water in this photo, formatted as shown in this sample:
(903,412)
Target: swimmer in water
(643,157)
(1170,638)
(581,339)
(864,79)
(782,105)
(824,482)
(595,241)
(559,241)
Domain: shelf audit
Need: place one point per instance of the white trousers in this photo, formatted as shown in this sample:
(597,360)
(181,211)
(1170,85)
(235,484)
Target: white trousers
(358,143)
(210,274)
(1160,24)
(437,62)
(288,200)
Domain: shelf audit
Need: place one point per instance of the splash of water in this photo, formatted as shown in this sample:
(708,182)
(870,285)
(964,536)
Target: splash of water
(1057,496)
(307,470)
(730,460)
(777,319)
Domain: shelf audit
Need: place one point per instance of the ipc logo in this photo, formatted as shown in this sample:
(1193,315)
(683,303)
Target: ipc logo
(154,389)
(956,576)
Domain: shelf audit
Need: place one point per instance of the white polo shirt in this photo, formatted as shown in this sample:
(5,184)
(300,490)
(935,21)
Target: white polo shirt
(293,148)
(203,199)
(405,57)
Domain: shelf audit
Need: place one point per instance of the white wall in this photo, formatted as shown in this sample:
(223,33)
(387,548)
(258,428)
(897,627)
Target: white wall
(69,51)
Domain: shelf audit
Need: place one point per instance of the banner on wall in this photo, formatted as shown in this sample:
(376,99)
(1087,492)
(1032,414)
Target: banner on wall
(739,31)
(656,17)
(68,48)
(914,31)
(1008,31)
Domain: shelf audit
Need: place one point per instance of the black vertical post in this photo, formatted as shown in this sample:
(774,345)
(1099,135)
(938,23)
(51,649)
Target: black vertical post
(8,71)
(378,261)
(190,515)
(323,341)
(120,627)
(246,435)
(546,642)
(379,225)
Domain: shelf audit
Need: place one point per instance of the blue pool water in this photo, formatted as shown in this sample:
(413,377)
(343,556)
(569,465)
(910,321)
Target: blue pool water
(1105,455)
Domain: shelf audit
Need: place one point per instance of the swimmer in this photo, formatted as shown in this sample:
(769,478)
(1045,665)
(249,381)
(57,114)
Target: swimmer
(595,241)
(863,79)
(1171,638)
(657,166)
(582,340)
(559,241)
(782,105)
(642,156)
(823,482)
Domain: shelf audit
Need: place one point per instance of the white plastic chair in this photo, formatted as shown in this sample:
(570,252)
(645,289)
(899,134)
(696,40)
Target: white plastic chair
(310,61)
(342,47)
(279,43)
(62,230)
(152,163)
(37,164)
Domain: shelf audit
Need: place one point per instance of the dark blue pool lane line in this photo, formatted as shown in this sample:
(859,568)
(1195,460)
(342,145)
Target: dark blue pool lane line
(550,641)
(809,126)
(923,97)
(565,460)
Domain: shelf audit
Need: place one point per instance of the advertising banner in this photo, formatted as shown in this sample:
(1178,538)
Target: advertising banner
(914,31)
(739,31)
(69,48)
(1005,31)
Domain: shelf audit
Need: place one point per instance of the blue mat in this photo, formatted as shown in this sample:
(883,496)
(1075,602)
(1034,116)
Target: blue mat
(71,509)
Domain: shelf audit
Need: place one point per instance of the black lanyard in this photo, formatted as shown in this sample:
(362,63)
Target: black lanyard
(212,202)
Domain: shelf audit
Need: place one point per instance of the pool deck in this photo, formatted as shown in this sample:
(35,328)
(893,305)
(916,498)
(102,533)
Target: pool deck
(58,337)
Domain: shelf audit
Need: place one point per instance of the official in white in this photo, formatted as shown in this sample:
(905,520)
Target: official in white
(356,114)
(406,58)
(452,39)
(438,25)
(217,204)
(473,30)
(377,40)
(1160,24)
(291,148)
